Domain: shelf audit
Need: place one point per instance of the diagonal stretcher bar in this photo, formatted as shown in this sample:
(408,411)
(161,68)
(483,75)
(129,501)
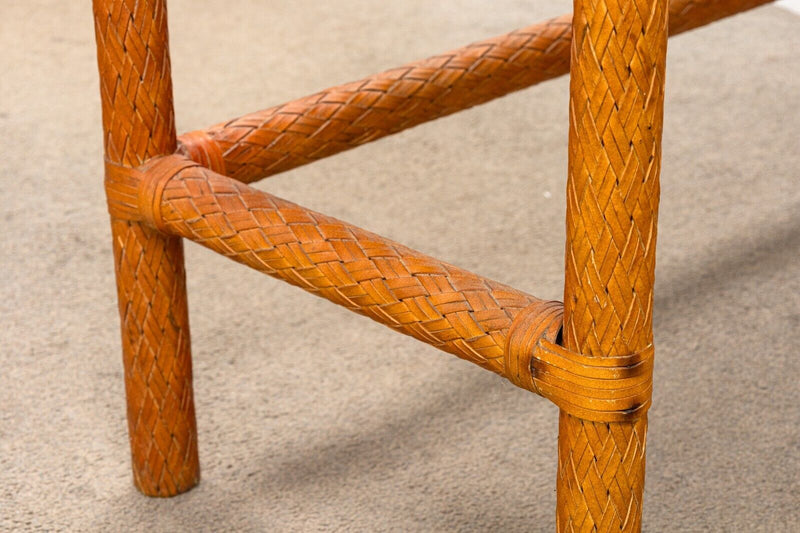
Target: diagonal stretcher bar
(438,303)
(280,138)
(483,321)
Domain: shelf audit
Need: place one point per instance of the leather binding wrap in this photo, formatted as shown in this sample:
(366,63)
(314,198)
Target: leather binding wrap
(591,356)
(601,389)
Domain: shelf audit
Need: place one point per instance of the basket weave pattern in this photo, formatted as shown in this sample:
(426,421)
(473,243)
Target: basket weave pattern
(138,122)
(591,356)
(616,108)
(339,118)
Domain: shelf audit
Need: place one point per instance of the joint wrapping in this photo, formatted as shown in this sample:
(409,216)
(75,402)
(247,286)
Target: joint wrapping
(134,194)
(199,146)
(600,389)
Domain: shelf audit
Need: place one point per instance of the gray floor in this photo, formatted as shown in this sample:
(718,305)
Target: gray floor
(311,418)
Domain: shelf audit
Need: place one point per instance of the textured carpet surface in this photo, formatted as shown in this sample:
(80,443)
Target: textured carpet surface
(313,419)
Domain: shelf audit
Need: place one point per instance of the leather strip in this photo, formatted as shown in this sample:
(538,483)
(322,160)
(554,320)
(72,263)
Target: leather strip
(154,177)
(537,321)
(134,194)
(600,389)
(199,146)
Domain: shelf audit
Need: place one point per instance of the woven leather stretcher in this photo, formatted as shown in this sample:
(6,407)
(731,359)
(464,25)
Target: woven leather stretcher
(592,355)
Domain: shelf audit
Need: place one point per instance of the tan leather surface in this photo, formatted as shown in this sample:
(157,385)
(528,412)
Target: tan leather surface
(138,123)
(494,326)
(448,307)
(616,108)
(615,128)
(267,142)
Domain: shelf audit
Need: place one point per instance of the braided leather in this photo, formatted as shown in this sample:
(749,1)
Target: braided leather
(267,142)
(616,108)
(450,308)
(138,123)
(613,193)
(454,310)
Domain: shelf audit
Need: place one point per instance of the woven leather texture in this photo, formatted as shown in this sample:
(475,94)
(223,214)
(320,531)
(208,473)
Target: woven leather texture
(457,311)
(616,108)
(267,142)
(136,92)
(601,376)
(440,304)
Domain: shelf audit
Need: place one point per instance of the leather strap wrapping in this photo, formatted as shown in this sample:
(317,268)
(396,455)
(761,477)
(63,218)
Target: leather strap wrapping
(600,389)
(133,194)
(154,176)
(536,320)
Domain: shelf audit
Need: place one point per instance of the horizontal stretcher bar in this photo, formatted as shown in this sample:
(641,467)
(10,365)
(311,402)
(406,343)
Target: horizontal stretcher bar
(280,138)
(448,307)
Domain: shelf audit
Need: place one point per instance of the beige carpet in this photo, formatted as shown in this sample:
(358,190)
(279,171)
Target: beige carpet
(313,419)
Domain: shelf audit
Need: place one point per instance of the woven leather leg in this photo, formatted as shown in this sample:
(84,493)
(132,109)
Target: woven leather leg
(138,124)
(616,105)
